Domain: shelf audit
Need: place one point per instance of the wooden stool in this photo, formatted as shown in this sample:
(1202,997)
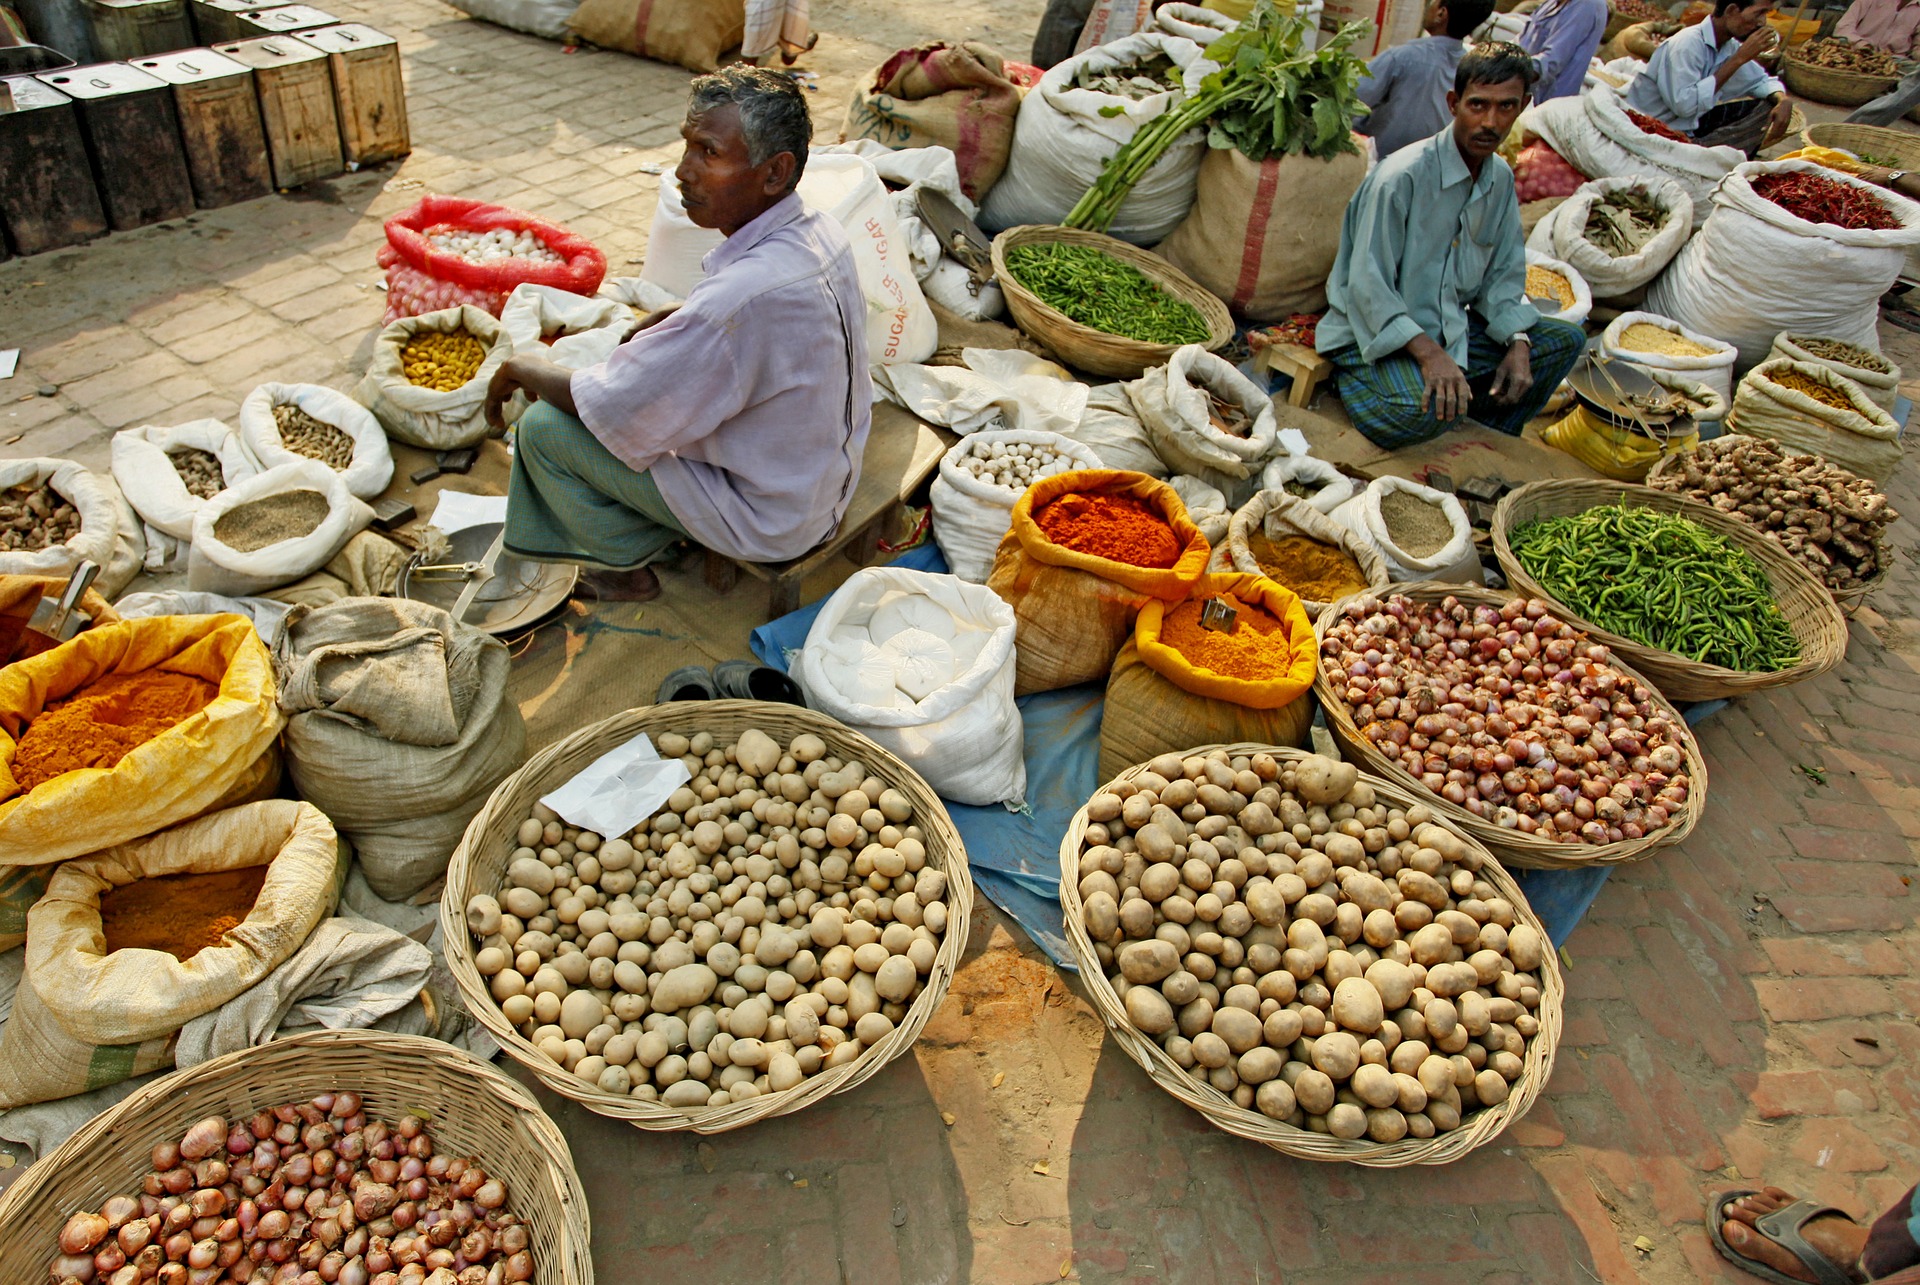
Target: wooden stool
(1306,367)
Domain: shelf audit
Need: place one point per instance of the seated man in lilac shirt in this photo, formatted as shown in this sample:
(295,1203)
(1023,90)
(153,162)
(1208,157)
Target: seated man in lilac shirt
(738,419)
(1562,36)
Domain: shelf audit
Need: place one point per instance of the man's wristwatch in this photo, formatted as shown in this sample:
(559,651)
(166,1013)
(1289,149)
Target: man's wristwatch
(1522,337)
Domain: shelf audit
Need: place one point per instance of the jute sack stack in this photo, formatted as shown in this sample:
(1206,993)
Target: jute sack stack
(216,758)
(939,95)
(693,33)
(85,1018)
(1864,439)
(399,726)
(1159,701)
(1263,235)
(1072,611)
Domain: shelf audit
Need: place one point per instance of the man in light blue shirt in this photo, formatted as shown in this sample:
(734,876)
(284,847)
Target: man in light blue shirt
(1405,88)
(1562,36)
(1427,318)
(1704,81)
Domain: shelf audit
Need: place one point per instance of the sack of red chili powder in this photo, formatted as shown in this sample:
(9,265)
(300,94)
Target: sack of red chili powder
(1176,685)
(1758,268)
(1084,553)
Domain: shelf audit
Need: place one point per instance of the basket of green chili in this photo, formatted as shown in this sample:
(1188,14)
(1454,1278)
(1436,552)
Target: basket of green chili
(1101,305)
(1701,603)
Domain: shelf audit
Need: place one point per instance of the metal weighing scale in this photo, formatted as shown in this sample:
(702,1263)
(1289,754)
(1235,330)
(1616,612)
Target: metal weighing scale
(482,585)
(1626,396)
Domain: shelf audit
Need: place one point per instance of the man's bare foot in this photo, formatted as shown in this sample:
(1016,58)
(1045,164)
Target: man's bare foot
(1837,1239)
(639,585)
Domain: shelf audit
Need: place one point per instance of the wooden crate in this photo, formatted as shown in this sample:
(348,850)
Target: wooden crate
(368,91)
(226,141)
(47,194)
(295,88)
(133,138)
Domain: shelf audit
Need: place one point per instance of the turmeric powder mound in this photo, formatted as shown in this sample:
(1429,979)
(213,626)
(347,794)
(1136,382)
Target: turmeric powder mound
(100,723)
(1250,652)
(1318,572)
(180,914)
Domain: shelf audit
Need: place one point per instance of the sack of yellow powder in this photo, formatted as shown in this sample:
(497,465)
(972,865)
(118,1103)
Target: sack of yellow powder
(1177,685)
(106,989)
(427,382)
(220,754)
(1265,538)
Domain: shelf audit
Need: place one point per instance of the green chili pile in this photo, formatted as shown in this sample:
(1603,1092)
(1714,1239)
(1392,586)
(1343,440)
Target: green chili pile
(1098,290)
(1661,580)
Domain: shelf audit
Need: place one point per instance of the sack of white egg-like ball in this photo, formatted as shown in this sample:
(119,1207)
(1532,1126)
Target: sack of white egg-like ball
(979,480)
(776,919)
(1321,954)
(447,251)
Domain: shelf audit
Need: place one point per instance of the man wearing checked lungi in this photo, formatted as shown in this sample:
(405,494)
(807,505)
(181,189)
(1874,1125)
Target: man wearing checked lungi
(1427,320)
(740,418)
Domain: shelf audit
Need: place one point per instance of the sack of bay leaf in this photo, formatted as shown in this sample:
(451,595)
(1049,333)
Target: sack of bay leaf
(86,1017)
(1159,701)
(1073,611)
(399,727)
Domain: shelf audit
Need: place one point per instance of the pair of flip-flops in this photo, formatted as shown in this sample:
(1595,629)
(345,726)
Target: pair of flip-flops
(1782,1227)
(730,680)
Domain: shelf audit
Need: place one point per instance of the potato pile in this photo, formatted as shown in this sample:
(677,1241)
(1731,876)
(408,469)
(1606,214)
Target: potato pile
(35,517)
(316,439)
(1327,958)
(778,917)
(199,471)
(442,360)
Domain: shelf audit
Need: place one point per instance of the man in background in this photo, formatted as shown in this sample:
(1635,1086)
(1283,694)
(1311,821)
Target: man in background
(1705,83)
(1406,87)
(1892,25)
(1562,36)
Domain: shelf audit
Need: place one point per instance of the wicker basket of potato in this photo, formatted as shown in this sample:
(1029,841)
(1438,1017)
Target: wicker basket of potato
(778,932)
(1311,958)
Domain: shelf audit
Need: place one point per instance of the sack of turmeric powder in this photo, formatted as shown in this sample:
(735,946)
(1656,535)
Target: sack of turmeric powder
(1073,610)
(1274,516)
(1161,699)
(86,1016)
(216,757)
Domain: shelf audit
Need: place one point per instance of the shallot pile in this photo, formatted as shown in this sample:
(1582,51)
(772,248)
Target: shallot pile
(305,1193)
(1511,714)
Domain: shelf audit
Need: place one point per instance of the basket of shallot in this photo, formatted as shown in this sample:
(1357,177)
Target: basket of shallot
(447,251)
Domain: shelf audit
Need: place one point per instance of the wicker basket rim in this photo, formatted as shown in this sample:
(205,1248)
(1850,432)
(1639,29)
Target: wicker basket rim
(1163,274)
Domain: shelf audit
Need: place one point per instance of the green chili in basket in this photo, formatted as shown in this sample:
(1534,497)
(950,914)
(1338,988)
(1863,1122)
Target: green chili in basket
(1098,290)
(1661,580)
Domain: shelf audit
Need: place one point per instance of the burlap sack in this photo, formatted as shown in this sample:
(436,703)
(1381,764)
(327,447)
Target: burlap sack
(693,33)
(1072,612)
(1158,702)
(939,95)
(1263,234)
(1276,515)
(1864,439)
(399,728)
(85,1018)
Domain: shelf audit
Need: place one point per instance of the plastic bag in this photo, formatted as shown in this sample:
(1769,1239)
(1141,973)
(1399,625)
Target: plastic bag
(1173,403)
(485,285)
(372,464)
(109,532)
(214,758)
(585,331)
(151,484)
(265,613)
(1864,440)
(1755,270)
(216,567)
(1065,135)
(970,514)
(1881,387)
(426,417)
(1328,487)
(1205,505)
(1575,313)
(964,735)
(1563,235)
(1455,561)
(1715,369)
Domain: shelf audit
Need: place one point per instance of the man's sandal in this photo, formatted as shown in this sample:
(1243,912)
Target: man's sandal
(1782,1227)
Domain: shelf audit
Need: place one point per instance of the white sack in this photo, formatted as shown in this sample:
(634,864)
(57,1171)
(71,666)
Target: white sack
(372,467)
(1329,487)
(964,737)
(153,486)
(1206,505)
(1882,387)
(427,417)
(1171,401)
(265,613)
(592,328)
(1714,370)
(1755,270)
(1593,132)
(1112,430)
(547,18)
(1457,561)
(998,388)
(214,567)
(1562,234)
(1193,22)
(109,532)
(1063,138)
(972,514)
(1574,314)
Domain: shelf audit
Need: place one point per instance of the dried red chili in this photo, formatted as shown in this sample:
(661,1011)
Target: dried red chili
(1659,129)
(1818,199)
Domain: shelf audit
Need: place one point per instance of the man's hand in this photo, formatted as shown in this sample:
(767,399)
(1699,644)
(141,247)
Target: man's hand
(1446,392)
(500,390)
(1777,121)
(1758,43)
(1513,378)
(538,378)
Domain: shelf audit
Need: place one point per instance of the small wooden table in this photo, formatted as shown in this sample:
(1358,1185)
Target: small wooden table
(902,452)
(1306,367)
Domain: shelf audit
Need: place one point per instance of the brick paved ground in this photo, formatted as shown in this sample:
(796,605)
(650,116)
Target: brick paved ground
(1738,1008)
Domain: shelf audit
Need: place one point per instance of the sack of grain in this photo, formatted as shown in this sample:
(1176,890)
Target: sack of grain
(435,419)
(1827,415)
(1594,133)
(1317,482)
(696,34)
(1208,420)
(1074,611)
(399,727)
(108,532)
(149,475)
(86,1017)
(971,514)
(1563,234)
(1548,277)
(1658,343)
(923,664)
(1277,515)
(285,523)
(1877,377)
(952,96)
(1429,541)
(1158,701)
(355,448)
(565,328)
